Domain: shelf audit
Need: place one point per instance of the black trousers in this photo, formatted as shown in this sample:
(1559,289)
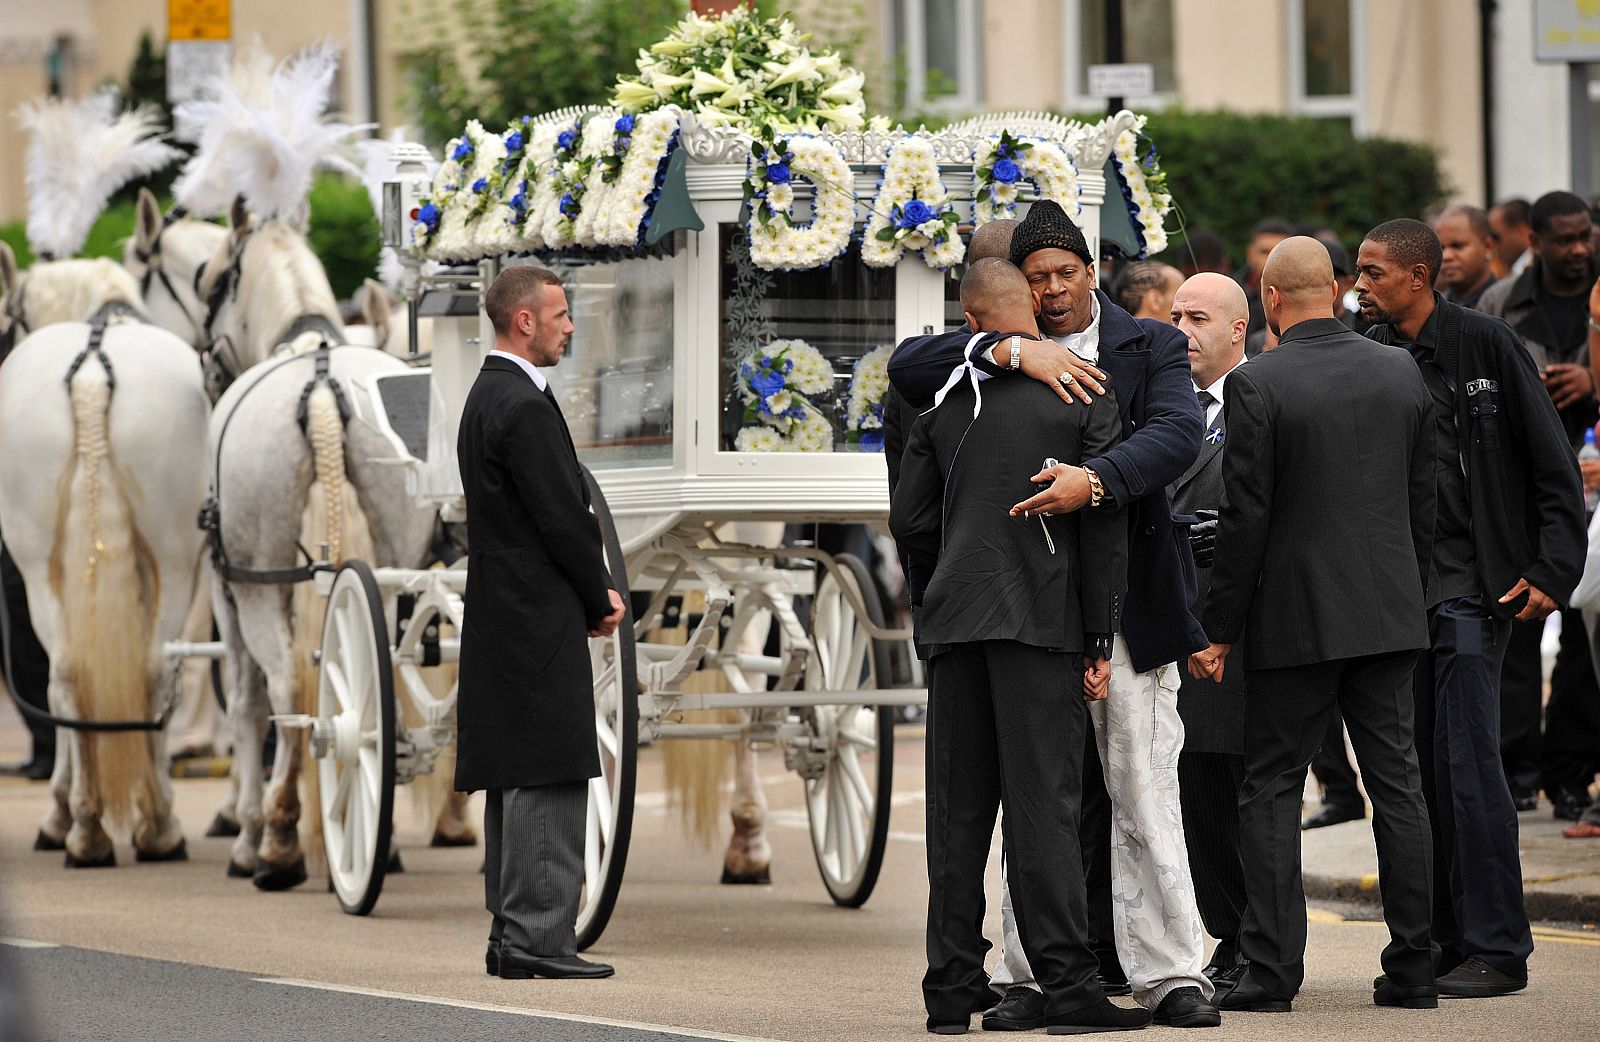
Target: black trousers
(30,666)
(1334,772)
(1288,712)
(1522,706)
(1571,746)
(1477,875)
(1005,728)
(1094,833)
(533,840)
(1208,790)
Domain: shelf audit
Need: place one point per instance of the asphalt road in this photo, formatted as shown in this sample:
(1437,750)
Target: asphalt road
(173,952)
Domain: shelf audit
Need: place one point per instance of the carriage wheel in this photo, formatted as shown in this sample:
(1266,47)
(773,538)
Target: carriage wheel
(355,737)
(616,724)
(848,804)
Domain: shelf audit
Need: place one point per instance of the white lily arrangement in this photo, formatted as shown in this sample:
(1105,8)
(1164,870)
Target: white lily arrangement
(737,69)
(777,242)
(776,383)
(1002,168)
(912,211)
(869,387)
(1144,187)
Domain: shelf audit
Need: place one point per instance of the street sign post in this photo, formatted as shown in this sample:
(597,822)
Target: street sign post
(1122,80)
(199,48)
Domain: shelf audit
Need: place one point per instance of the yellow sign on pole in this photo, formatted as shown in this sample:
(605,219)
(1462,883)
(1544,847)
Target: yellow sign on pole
(199,20)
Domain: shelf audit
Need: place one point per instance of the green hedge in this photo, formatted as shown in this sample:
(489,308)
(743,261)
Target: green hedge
(1227,171)
(343,233)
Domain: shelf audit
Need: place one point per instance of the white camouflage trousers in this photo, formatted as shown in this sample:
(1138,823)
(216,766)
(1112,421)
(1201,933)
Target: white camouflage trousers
(1159,937)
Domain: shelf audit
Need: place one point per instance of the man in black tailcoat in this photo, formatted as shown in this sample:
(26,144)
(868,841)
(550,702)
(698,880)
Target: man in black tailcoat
(537,588)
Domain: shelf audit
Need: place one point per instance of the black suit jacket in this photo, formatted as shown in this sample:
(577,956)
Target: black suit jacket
(1327,503)
(536,582)
(1148,363)
(1213,714)
(980,574)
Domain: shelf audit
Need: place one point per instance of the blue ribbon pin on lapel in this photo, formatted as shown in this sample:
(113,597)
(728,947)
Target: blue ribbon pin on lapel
(1214,435)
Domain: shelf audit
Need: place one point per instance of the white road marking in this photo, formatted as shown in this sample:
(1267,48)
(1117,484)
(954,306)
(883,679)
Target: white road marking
(22,942)
(490,1007)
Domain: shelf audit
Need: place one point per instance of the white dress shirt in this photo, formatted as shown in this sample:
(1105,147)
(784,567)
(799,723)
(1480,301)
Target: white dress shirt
(528,367)
(1215,390)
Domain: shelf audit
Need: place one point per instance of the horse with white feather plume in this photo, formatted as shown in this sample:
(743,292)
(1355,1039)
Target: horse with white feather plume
(100,474)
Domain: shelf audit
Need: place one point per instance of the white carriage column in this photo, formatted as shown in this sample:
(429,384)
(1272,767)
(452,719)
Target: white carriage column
(1090,151)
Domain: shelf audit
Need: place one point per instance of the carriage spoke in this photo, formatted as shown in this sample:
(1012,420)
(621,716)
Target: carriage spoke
(830,820)
(600,798)
(367,758)
(858,782)
(607,736)
(341,796)
(338,683)
(352,826)
(858,841)
(841,810)
(591,853)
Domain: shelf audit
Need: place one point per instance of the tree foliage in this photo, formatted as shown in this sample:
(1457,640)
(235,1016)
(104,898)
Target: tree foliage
(508,58)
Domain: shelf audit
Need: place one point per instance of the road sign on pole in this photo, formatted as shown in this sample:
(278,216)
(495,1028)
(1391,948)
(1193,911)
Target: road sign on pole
(199,47)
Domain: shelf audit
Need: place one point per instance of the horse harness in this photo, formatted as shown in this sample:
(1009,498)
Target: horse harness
(97,330)
(154,271)
(210,519)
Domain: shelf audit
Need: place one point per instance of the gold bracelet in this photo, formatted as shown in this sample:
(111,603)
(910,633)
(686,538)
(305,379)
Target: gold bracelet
(1097,491)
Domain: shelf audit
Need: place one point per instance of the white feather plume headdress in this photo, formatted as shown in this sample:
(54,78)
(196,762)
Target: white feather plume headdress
(79,152)
(265,140)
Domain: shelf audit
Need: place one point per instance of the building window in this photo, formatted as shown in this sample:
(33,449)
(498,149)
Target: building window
(1146,37)
(940,43)
(1326,60)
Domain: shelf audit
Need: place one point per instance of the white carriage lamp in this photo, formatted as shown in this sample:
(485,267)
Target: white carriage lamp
(402,197)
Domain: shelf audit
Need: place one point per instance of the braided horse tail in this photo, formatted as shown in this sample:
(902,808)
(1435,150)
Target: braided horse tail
(332,516)
(107,583)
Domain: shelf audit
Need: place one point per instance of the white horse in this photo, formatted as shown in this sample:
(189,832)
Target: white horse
(280,487)
(101,476)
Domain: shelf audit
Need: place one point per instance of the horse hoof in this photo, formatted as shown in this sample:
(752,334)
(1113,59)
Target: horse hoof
(221,827)
(177,853)
(240,871)
(761,878)
(441,840)
(44,841)
(396,866)
(108,861)
(281,877)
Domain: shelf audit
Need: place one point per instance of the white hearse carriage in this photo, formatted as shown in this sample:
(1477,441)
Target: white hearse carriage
(657,390)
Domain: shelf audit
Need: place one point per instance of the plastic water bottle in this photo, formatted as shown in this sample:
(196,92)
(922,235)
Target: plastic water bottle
(1591,497)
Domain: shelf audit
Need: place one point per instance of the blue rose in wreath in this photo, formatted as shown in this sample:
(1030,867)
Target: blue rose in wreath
(569,206)
(916,212)
(463,150)
(766,382)
(778,174)
(566,139)
(480,185)
(514,141)
(428,216)
(1006,172)
(624,125)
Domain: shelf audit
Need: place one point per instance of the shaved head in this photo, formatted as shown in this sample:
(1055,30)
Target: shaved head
(991,240)
(1210,309)
(1297,282)
(995,296)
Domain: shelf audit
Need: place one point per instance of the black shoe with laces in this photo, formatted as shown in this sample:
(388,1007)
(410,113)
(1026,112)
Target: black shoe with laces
(1476,979)
(1021,1010)
(1187,1008)
(1568,804)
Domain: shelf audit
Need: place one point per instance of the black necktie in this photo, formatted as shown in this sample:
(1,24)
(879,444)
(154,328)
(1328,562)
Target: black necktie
(1207,399)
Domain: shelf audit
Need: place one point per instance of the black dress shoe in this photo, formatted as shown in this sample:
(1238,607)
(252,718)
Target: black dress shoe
(1476,979)
(1249,997)
(491,960)
(1117,985)
(948,1027)
(1568,804)
(1525,801)
(1384,993)
(1103,1016)
(1332,815)
(1021,1010)
(1187,1008)
(514,966)
(1225,977)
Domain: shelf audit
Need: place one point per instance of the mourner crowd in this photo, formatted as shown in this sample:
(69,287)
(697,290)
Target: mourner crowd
(1251,512)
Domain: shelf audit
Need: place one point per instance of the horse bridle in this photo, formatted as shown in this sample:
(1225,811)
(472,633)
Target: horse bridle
(155,271)
(218,354)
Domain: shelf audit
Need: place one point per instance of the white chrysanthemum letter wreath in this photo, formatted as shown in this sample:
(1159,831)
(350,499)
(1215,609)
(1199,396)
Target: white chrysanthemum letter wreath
(1144,187)
(776,242)
(911,211)
(1001,169)
(425,234)
(476,154)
